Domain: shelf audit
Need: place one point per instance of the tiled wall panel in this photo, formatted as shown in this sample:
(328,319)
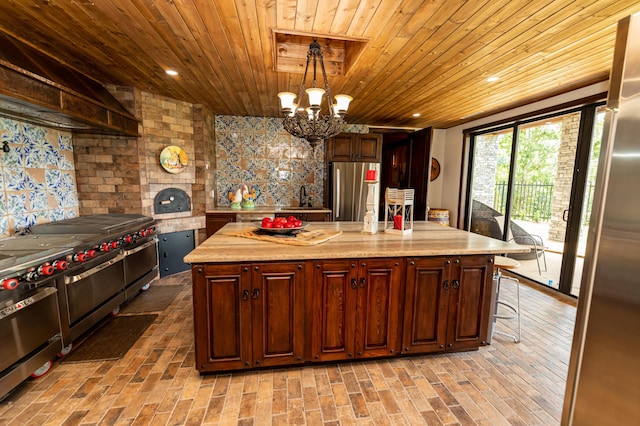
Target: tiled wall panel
(37,176)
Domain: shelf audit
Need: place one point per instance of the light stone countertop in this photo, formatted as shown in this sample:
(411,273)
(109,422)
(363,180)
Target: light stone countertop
(269,210)
(427,239)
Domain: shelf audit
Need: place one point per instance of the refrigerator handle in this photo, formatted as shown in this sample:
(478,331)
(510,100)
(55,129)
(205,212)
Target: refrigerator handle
(337,206)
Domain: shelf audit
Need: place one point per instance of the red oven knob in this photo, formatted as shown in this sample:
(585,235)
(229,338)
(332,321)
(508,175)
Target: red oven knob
(91,253)
(143,232)
(80,257)
(60,265)
(114,244)
(149,231)
(46,269)
(104,247)
(10,283)
(128,239)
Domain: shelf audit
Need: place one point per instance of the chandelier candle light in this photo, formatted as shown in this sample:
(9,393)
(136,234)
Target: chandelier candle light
(308,122)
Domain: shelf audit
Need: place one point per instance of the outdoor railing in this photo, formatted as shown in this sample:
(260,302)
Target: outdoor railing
(532,201)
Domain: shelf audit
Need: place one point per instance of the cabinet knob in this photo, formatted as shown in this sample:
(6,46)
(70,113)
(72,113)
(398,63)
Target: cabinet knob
(397,264)
(457,261)
(441,346)
(359,353)
(392,351)
(350,354)
(199,270)
(246,363)
(412,263)
(316,357)
(449,345)
(490,260)
(406,349)
(456,284)
(257,268)
(299,358)
(202,367)
(448,262)
(300,267)
(353,265)
(245,269)
(256,293)
(245,295)
(364,264)
(445,285)
(257,361)
(317,266)
(354,283)
(363,282)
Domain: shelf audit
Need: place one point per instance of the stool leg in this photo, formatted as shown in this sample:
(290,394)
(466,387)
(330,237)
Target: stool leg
(515,311)
(518,305)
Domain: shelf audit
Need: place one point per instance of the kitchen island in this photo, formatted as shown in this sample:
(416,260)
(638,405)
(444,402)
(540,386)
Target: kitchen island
(356,296)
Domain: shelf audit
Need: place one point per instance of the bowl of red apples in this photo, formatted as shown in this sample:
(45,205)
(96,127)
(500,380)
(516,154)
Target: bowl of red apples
(281,225)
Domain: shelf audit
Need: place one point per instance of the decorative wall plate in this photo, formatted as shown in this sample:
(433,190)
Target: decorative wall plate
(173,159)
(435,169)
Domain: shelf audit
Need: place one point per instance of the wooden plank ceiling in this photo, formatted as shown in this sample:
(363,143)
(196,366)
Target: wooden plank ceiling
(428,57)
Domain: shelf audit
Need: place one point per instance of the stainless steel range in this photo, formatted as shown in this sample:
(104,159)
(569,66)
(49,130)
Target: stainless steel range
(64,277)
(30,336)
(104,271)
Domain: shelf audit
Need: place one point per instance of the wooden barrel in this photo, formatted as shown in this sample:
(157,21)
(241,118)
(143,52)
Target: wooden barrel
(440,216)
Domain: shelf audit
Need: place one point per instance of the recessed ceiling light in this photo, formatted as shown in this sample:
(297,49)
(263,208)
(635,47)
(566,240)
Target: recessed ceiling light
(417,114)
(493,78)
(172,72)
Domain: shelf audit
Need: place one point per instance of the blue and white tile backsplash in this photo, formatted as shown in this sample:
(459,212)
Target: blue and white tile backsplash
(259,152)
(37,176)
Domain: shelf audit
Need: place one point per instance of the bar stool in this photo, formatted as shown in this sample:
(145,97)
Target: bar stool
(514,310)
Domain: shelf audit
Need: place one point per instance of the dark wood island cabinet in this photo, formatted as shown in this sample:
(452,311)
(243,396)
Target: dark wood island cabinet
(261,304)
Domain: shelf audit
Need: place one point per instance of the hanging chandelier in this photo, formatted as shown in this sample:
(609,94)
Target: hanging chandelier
(307,122)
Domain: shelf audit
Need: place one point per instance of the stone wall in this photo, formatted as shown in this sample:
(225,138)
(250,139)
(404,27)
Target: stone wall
(564,176)
(484,171)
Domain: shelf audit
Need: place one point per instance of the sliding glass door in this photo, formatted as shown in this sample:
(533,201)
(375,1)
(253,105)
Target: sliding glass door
(525,179)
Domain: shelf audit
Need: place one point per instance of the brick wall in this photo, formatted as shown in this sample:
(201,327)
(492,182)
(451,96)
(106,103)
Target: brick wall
(123,175)
(107,174)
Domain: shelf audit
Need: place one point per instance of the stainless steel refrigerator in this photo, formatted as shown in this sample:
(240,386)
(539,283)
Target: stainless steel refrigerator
(348,190)
(603,384)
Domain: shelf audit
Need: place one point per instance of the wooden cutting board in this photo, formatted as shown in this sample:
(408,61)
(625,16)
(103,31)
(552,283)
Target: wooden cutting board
(297,238)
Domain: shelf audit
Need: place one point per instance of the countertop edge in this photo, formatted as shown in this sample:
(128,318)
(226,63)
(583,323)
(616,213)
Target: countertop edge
(427,241)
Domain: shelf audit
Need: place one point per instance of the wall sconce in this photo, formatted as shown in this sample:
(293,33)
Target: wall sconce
(5,146)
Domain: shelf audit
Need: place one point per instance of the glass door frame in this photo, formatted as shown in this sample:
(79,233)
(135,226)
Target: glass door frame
(580,173)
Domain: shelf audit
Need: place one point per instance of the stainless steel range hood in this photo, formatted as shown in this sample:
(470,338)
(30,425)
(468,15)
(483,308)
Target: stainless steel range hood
(36,88)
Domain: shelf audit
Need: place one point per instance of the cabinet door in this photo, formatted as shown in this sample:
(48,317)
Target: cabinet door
(426,305)
(377,326)
(278,314)
(368,147)
(317,217)
(215,221)
(335,290)
(469,303)
(222,317)
(340,148)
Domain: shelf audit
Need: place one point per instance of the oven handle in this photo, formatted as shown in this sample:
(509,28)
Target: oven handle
(140,248)
(42,293)
(72,279)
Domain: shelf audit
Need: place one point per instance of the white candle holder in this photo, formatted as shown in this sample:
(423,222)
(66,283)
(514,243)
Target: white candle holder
(398,218)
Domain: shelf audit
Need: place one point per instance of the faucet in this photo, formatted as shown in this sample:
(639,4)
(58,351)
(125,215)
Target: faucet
(304,200)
